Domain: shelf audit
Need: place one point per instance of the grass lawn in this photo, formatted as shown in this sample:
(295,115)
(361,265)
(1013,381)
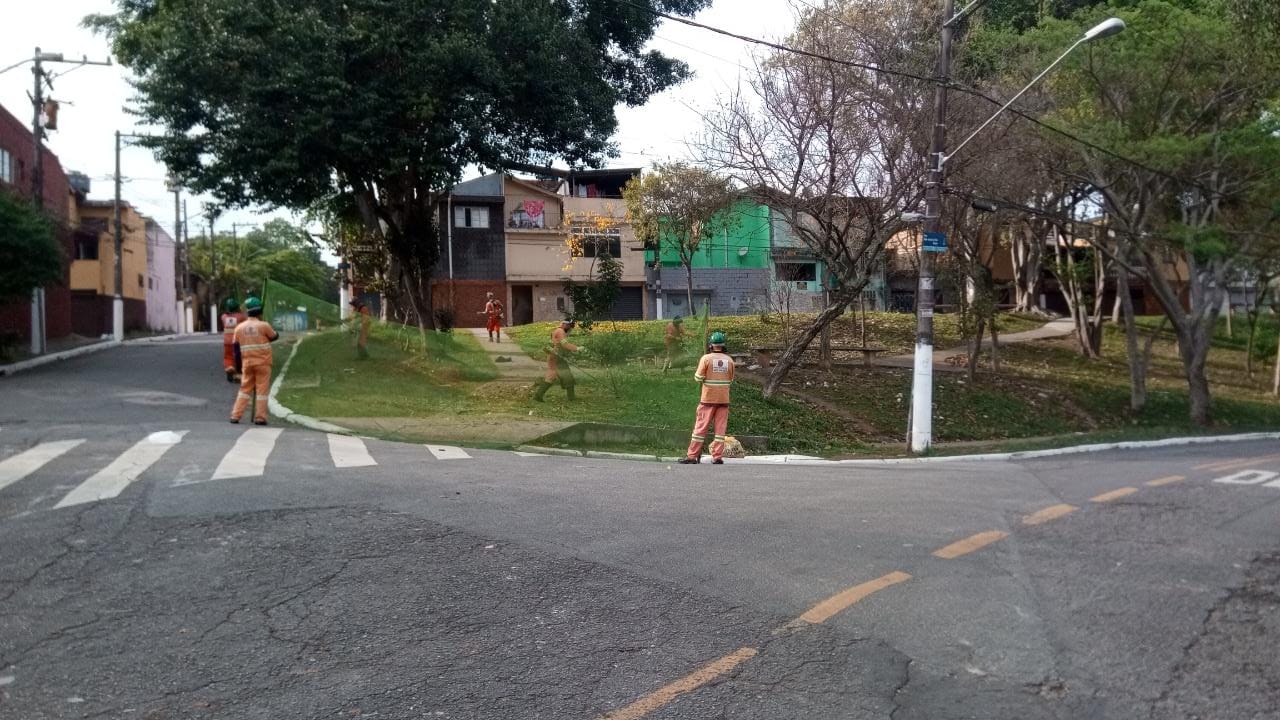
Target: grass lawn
(893,331)
(1044,394)
(397,380)
(1047,388)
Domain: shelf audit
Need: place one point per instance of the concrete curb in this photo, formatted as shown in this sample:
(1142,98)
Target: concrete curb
(276,408)
(57,357)
(562,452)
(34,362)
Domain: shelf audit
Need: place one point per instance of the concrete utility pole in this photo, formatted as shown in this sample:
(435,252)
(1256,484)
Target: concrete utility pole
(186,269)
(922,378)
(179,278)
(213,270)
(38,59)
(117,301)
(934,241)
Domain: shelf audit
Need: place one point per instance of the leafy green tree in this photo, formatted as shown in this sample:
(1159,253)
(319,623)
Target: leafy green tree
(289,102)
(677,206)
(1188,92)
(29,253)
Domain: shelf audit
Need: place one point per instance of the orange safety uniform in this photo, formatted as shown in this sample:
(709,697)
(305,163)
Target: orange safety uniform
(557,367)
(715,372)
(253,339)
(365,319)
(493,309)
(229,321)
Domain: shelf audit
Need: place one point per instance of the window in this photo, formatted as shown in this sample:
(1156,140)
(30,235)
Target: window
(594,243)
(140,282)
(86,247)
(6,166)
(471,217)
(796,272)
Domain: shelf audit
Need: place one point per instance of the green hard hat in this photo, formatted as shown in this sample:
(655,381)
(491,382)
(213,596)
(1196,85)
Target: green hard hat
(252,303)
(717,338)
(231,305)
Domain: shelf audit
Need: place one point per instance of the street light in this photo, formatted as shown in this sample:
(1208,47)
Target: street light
(921,418)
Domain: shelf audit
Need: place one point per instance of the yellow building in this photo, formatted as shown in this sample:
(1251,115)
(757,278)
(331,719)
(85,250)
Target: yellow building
(93,266)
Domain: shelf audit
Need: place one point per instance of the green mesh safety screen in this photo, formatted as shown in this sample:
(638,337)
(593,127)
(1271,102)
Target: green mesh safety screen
(289,310)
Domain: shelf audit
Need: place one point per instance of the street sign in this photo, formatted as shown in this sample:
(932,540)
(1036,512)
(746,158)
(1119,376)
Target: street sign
(935,242)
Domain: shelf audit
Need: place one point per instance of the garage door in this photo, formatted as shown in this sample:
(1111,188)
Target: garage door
(630,304)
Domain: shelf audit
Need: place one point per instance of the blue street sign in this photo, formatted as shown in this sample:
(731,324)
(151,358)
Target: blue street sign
(935,242)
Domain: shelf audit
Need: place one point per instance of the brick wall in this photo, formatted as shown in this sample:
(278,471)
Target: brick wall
(469,299)
(15,138)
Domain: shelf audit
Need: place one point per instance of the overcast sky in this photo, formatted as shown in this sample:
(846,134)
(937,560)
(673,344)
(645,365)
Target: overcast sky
(93,98)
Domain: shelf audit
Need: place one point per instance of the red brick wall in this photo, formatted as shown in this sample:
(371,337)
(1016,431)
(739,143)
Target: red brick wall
(15,137)
(469,299)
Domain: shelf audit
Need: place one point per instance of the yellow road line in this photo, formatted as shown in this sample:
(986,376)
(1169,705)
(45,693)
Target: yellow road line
(1114,494)
(1053,512)
(969,544)
(842,600)
(1166,480)
(688,683)
(1236,463)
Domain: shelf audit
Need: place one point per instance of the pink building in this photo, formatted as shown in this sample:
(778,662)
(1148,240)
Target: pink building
(162,293)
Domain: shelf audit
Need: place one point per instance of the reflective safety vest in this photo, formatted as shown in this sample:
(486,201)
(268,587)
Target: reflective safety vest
(715,372)
(254,337)
(229,322)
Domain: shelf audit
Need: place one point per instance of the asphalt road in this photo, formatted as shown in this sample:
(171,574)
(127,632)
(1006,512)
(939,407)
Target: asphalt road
(161,563)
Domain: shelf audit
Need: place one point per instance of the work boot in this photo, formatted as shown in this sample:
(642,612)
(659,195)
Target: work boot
(235,421)
(540,391)
(569,393)
(688,461)
(231,376)
(259,422)
(717,461)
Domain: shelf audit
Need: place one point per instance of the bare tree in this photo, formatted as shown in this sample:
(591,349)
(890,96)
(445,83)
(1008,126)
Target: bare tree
(835,151)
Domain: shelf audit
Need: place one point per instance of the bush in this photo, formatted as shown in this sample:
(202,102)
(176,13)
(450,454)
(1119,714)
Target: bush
(29,253)
(445,318)
(9,345)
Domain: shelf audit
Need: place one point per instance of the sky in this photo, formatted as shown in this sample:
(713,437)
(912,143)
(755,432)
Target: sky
(94,98)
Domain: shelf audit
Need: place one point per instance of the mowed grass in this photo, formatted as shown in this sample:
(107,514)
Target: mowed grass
(398,379)
(893,331)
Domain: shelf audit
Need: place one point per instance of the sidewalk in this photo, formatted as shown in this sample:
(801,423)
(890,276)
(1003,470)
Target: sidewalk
(1052,329)
(522,368)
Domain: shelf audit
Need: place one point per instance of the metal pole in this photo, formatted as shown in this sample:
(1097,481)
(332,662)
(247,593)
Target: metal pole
(186,269)
(922,378)
(117,302)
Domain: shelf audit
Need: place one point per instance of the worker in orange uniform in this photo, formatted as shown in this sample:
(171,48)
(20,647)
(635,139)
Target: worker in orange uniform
(365,319)
(672,339)
(557,366)
(253,339)
(229,320)
(715,373)
(493,310)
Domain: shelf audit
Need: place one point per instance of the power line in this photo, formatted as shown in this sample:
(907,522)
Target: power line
(951,84)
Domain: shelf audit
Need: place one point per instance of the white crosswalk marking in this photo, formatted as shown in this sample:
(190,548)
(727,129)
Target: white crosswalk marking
(23,464)
(348,451)
(445,452)
(248,457)
(111,480)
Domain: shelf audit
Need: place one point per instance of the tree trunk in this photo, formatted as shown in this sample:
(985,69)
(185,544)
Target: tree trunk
(1275,383)
(688,276)
(1193,346)
(1254,317)
(975,349)
(995,347)
(791,357)
(1137,360)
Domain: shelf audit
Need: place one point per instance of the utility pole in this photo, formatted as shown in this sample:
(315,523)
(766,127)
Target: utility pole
(213,270)
(922,379)
(39,78)
(117,301)
(186,269)
(179,284)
